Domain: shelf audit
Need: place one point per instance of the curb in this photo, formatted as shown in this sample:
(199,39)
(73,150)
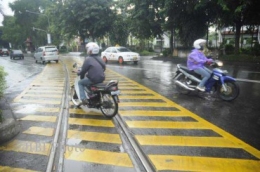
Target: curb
(9,128)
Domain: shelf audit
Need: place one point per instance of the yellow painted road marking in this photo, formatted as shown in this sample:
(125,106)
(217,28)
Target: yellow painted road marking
(99,157)
(137,97)
(48,83)
(40,131)
(133,92)
(82,112)
(54,102)
(186,141)
(165,124)
(130,87)
(94,136)
(27,147)
(46,91)
(144,104)
(127,84)
(39,118)
(189,163)
(10,169)
(42,95)
(152,113)
(91,122)
(49,87)
(201,122)
(47,109)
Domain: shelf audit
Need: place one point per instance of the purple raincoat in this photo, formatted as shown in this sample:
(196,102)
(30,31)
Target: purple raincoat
(196,59)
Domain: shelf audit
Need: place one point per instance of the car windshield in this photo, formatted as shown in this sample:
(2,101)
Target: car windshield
(123,49)
(51,49)
(17,51)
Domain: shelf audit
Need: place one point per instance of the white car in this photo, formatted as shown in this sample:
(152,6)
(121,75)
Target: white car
(46,54)
(120,54)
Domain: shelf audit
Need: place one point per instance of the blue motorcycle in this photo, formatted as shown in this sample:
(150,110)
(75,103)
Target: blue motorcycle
(219,82)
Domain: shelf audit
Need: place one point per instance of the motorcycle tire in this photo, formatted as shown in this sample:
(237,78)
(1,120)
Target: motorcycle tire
(109,107)
(74,97)
(231,93)
(181,77)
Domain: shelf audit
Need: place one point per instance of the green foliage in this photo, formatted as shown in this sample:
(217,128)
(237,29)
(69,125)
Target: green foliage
(146,18)
(167,52)
(24,21)
(88,18)
(63,49)
(119,32)
(146,53)
(1,117)
(256,50)
(240,58)
(2,81)
(229,48)
(12,32)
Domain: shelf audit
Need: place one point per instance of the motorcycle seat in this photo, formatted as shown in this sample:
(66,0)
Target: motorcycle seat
(189,71)
(99,85)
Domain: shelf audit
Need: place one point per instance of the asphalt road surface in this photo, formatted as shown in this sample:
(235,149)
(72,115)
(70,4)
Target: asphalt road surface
(172,131)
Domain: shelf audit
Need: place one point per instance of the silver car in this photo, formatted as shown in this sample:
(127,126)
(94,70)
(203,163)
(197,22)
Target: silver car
(46,54)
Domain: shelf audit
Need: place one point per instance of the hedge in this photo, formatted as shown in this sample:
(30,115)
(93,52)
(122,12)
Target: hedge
(2,81)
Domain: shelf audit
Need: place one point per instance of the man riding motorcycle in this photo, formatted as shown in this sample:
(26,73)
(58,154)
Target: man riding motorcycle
(93,68)
(197,60)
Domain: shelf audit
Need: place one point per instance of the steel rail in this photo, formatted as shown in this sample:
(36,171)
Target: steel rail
(143,159)
(65,122)
(55,145)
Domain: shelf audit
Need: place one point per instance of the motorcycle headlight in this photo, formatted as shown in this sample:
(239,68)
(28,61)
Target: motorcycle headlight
(219,63)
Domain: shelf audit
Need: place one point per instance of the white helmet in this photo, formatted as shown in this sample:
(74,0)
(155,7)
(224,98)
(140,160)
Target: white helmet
(198,44)
(92,48)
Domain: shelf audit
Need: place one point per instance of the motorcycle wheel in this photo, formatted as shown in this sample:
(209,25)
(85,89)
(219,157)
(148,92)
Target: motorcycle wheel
(231,93)
(74,97)
(109,107)
(183,80)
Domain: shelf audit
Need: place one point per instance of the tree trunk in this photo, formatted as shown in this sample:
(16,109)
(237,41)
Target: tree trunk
(171,41)
(237,36)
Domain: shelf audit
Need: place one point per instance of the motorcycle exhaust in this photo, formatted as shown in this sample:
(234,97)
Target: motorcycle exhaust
(183,85)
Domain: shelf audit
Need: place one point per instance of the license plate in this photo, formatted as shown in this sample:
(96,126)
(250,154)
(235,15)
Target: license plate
(115,92)
(135,58)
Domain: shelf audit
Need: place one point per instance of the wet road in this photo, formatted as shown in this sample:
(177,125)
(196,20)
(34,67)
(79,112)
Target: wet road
(172,136)
(240,117)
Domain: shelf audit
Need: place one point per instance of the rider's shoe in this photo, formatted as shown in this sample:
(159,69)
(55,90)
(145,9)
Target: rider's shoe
(200,88)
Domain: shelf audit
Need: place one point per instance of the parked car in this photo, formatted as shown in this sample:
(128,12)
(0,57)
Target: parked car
(16,54)
(46,54)
(4,51)
(120,54)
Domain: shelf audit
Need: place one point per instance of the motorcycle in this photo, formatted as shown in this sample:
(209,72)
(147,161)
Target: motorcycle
(103,96)
(219,82)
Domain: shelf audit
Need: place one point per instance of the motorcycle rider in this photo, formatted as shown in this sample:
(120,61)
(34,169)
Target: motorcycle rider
(197,60)
(93,68)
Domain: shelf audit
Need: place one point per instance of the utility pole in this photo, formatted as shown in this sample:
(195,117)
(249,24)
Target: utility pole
(48,34)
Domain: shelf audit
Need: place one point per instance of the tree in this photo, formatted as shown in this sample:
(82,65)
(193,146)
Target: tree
(19,27)
(119,31)
(238,13)
(87,18)
(145,18)
(12,32)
